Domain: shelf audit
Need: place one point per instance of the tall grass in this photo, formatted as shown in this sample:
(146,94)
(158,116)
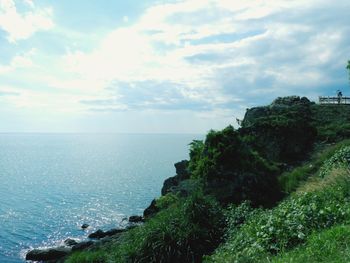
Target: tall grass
(291,180)
(183,232)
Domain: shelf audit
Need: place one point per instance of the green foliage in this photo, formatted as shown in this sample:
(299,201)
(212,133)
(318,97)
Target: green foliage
(183,232)
(287,225)
(331,245)
(281,132)
(334,132)
(341,159)
(291,180)
(166,200)
(232,171)
(196,151)
(331,122)
(98,256)
(237,215)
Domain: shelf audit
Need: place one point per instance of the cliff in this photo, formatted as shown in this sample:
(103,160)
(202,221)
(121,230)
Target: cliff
(236,184)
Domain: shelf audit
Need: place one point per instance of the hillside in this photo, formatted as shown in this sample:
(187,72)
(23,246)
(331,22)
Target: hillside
(264,192)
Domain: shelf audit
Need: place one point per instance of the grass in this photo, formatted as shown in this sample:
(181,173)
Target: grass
(331,245)
(182,232)
(291,180)
(289,224)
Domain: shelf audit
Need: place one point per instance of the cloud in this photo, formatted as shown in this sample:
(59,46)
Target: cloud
(18,62)
(22,25)
(209,59)
(199,55)
(8,93)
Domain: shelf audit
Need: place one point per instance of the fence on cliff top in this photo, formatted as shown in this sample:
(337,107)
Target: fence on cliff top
(333,100)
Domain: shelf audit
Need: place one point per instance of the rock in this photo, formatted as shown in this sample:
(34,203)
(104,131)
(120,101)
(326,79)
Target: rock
(84,226)
(151,209)
(136,219)
(101,234)
(182,174)
(97,234)
(70,242)
(82,245)
(181,169)
(169,184)
(114,231)
(46,254)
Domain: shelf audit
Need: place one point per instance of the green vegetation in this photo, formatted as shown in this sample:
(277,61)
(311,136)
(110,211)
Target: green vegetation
(274,190)
(182,232)
(328,246)
(287,225)
(291,180)
(232,171)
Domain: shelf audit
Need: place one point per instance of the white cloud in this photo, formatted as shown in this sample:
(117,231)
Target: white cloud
(18,62)
(213,58)
(20,26)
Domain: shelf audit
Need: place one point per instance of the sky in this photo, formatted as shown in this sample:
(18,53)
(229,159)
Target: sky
(163,66)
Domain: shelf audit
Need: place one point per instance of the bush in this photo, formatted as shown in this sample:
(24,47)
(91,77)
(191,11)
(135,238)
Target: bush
(232,171)
(341,159)
(291,180)
(331,245)
(287,225)
(183,232)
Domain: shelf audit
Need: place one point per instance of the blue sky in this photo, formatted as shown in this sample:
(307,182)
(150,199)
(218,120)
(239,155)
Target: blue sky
(163,66)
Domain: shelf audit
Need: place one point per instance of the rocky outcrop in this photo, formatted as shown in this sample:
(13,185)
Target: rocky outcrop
(182,173)
(70,242)
(283,131)
(101,234)
(151,209)
(48,254)
(82,245)
(136,219)
(181,169)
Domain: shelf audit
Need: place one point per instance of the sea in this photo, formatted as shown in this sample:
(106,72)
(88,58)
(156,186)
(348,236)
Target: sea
(51,184)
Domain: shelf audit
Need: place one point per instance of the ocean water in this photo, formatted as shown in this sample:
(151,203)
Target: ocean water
(50,184)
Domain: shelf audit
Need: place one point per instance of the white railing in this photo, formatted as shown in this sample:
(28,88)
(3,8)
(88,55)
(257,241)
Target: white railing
(333,100)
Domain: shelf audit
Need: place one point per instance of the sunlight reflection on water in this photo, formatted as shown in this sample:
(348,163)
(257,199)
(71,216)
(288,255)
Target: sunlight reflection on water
(52,184)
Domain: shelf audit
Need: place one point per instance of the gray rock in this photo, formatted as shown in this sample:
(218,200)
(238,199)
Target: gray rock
(97,234)
(181,169)
(82,245)
(84,226)
(169,184)
(151,209)
(114,231)
(46,254)
(70,242)
(136,219)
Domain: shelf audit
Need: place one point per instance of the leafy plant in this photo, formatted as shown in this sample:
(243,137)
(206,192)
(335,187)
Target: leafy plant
(341,159)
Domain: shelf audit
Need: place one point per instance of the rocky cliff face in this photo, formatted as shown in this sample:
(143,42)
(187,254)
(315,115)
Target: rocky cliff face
(282,131)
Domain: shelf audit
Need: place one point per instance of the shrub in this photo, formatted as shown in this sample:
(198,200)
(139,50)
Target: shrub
(232,171)
(331,245)
(183,232)
(291,180)
(287,225)
(341,159)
